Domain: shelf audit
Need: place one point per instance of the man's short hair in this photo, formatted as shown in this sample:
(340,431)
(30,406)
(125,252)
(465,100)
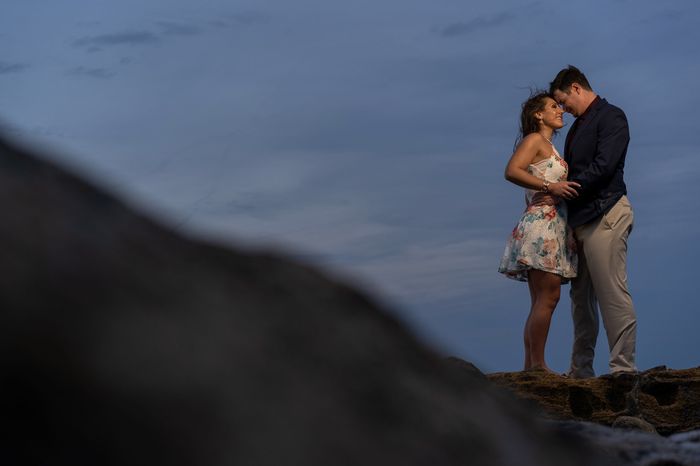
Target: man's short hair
(566,77)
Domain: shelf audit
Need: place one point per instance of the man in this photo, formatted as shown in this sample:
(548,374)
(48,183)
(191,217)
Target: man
(601,217)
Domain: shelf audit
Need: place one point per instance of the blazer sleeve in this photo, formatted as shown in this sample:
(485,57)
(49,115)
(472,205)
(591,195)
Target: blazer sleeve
(613,139)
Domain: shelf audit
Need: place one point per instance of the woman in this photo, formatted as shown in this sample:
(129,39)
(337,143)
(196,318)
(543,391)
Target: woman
(541,249)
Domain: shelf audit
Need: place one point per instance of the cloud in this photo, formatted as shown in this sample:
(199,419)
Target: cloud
(7,68)
(120,38)
(245,18)
(432,269)
(249,17)
(99,73)
(31,132)
(95,43)
(482,22)
(666,15)
(88,23)
(172,28)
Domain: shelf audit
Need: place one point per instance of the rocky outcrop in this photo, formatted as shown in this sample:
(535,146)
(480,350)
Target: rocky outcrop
(625,447)
(668,400)
(122,342)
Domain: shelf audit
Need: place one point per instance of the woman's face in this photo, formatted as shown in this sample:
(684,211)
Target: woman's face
(552,114)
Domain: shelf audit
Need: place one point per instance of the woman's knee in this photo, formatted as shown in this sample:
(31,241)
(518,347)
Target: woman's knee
(549,297)
(550,303)
(546,287)
(555,293)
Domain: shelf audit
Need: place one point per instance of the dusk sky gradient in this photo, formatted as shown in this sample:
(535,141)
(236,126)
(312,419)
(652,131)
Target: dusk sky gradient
(370,138)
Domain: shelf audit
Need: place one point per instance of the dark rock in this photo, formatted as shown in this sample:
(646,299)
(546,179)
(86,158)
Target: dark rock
(633,423)
(668,399)
(635,448)
(123,342)
(466,367)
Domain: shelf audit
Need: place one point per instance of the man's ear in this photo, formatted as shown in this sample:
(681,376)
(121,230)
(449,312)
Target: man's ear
(576,87)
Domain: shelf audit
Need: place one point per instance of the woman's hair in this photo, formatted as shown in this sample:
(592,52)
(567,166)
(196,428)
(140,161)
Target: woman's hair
(528,122)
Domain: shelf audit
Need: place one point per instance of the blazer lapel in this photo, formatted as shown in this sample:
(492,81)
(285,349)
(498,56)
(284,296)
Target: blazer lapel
(567,142)
(583,124)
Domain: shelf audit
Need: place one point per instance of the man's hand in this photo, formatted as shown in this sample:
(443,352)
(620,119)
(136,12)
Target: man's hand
(565,189)
(557,191)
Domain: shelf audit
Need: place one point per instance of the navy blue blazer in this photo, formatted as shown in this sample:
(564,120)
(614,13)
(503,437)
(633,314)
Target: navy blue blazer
(596,154)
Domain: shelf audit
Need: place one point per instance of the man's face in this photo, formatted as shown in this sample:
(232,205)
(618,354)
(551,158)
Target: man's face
(571,101)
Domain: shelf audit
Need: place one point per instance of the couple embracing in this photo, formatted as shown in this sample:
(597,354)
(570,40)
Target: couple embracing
(576,223)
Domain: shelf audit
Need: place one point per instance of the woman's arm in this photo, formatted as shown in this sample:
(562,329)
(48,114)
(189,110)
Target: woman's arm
(516,171)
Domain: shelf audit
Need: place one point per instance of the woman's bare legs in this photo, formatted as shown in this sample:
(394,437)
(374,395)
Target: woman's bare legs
(526,336)
(545,290)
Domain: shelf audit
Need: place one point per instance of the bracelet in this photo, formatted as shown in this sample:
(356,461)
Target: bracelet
(545,187)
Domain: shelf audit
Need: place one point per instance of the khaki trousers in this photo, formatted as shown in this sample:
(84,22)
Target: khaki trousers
(602,280)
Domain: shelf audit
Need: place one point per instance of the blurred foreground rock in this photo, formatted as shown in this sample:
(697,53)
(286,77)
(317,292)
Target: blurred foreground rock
(667,399)
(124,343)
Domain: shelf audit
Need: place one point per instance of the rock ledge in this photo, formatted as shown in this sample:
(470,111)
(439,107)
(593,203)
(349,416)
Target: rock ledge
(667,399)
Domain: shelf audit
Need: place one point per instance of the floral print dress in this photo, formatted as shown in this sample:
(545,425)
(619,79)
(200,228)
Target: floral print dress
(542,238)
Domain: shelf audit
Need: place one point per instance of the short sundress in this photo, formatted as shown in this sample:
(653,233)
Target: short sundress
(542,239)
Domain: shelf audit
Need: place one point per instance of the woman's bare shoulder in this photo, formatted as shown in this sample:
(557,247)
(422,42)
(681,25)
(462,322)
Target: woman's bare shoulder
(532,141)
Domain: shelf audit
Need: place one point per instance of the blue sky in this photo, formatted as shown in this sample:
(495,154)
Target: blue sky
(370,137)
